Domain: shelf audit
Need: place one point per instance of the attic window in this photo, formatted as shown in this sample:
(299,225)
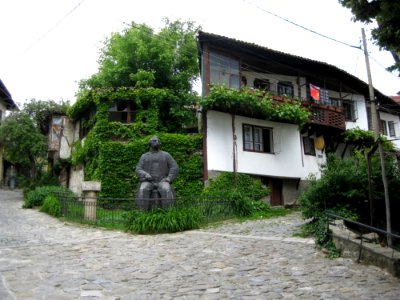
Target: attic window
(122,111)
(224,70)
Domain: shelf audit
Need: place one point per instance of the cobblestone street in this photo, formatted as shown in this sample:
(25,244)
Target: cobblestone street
(44,258)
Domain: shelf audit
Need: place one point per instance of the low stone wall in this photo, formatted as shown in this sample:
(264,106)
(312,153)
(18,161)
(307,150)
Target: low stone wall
(371,252)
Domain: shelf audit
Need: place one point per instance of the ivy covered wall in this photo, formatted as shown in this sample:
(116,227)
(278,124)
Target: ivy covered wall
(111,150)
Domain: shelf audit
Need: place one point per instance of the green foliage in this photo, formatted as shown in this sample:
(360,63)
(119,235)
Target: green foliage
(386,13)
(42,111)
(255,103)
(113,162)
(236,186)
(23,136)
(141,57)
(36,197)
(365,139)
(163,221)
(155,109)
(51,205)
(243,192)
(343,190)
(359,137)
(24,145)
(343,183)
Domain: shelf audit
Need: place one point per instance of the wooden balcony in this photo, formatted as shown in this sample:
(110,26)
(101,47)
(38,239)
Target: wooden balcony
(326,115)
(331,116)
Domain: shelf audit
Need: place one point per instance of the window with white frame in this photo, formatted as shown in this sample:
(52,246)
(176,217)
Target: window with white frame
(392,131)
(350,110)
(224,70)
(257,139)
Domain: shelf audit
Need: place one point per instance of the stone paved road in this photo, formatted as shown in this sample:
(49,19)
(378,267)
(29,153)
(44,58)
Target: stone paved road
(43,258)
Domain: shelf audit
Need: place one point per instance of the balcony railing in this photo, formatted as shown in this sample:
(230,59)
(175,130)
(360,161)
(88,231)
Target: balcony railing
(327,115)
(332,116)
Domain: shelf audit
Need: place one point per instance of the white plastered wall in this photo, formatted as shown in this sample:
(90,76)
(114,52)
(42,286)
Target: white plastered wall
(287,161)
(395,119)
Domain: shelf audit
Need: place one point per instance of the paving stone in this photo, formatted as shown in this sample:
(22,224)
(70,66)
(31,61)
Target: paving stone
(44,258)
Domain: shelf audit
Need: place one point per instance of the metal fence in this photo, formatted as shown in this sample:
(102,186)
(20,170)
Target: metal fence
(113,211)
(391,239)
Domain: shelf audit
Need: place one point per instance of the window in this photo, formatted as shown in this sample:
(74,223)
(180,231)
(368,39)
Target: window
(257,139)
(350,112)
(122,111)
(384,130)
(392,131)
(84,122)
(261,84)
(285,88)
(224,70)
(308,145)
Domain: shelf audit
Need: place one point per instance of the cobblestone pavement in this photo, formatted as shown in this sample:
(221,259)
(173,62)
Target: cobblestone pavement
(43,258)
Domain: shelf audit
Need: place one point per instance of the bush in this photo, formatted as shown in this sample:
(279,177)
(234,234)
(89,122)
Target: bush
(51,205)
(244,193)
(343,186)
(163,221)
(36,197)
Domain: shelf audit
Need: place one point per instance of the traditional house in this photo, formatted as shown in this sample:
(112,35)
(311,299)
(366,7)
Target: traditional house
(281,154)
(6,103)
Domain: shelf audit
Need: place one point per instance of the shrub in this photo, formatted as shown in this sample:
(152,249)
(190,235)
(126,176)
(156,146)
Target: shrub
(163,221)
(343,185)
(244,193)
(37,196)
(51,205)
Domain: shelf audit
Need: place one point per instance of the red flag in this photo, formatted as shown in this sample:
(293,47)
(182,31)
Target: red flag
(315,92)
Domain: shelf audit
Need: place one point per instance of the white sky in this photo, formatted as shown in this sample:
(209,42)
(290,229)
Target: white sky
(45,51)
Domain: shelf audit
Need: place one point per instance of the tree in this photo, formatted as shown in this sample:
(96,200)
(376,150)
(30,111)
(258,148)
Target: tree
(23,135)
(41,112)
(140,57)
(24,145)
(386,13)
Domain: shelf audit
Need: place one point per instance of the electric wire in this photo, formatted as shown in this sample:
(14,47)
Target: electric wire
(52,28)
(301,26)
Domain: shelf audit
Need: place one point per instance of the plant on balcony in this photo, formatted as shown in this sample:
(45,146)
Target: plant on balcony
(255,103)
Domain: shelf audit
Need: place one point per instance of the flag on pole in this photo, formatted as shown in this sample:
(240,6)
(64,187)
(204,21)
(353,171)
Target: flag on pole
(315,92)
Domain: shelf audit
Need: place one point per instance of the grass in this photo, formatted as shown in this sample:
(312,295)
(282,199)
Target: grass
(212,213)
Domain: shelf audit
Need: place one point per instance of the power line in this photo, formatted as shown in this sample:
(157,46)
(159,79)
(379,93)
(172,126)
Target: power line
(52,28)
(301,26)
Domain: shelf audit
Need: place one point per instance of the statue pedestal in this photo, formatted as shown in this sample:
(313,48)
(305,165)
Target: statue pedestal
(89,191)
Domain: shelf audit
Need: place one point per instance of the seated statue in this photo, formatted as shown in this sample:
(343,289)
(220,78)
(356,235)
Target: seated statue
(156,171)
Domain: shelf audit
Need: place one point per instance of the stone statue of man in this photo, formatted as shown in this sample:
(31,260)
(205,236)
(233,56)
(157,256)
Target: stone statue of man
(156,170)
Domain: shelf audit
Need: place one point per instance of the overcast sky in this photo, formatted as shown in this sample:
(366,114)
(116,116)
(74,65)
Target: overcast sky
(47,46)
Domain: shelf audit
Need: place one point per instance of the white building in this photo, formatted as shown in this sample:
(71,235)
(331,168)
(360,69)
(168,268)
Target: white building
(281,154)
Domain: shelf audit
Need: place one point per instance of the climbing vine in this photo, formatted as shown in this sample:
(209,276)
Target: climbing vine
(255,103)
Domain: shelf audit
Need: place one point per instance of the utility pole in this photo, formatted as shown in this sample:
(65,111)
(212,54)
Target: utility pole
(375,127)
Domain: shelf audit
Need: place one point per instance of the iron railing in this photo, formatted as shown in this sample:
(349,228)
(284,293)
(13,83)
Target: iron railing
(362,229)
(112,211)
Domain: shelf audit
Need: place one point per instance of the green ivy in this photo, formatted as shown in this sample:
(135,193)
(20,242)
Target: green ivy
(113,163)
(255,103)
